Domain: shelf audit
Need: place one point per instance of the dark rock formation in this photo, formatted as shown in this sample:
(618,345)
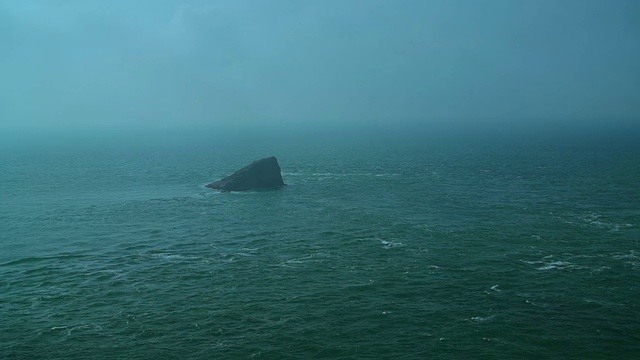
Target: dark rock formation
(262,174)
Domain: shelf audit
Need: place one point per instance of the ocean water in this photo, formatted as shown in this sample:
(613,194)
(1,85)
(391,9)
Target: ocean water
(391,245)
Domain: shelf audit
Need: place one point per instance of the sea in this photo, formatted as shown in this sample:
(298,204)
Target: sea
(386,243)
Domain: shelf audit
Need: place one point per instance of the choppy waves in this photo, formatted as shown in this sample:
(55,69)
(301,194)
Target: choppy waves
(443,255)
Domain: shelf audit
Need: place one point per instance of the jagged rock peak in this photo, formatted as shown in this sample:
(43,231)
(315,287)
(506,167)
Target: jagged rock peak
(263,174)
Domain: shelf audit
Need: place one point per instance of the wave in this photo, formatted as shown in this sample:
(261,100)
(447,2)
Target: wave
(391,244)
(482,319)
(173,257)
(36,259)
(551,263)
(340,175)
(594,219)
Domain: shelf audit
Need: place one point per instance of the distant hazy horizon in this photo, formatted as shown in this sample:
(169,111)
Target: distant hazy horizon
(123,65)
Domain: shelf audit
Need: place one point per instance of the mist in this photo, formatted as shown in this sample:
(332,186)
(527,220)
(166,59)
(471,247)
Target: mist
(170,64)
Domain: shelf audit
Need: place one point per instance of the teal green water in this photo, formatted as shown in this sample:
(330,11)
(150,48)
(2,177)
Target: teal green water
(389,246)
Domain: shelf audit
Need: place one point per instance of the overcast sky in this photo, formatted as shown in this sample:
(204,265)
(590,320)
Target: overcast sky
(172,62)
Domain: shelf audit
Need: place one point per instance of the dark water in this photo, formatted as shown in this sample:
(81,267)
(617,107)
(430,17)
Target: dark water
(382,246)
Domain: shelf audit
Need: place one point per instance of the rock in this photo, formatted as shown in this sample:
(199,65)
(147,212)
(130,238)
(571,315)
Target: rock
(263,174)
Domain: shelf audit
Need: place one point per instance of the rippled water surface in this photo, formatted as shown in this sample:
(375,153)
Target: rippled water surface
(381,247)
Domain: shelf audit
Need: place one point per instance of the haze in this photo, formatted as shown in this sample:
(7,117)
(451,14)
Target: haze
(176,64)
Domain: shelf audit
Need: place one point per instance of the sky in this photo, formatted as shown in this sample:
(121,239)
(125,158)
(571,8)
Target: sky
(179,63)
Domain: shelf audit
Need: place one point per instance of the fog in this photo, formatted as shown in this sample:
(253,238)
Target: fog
(170,64)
